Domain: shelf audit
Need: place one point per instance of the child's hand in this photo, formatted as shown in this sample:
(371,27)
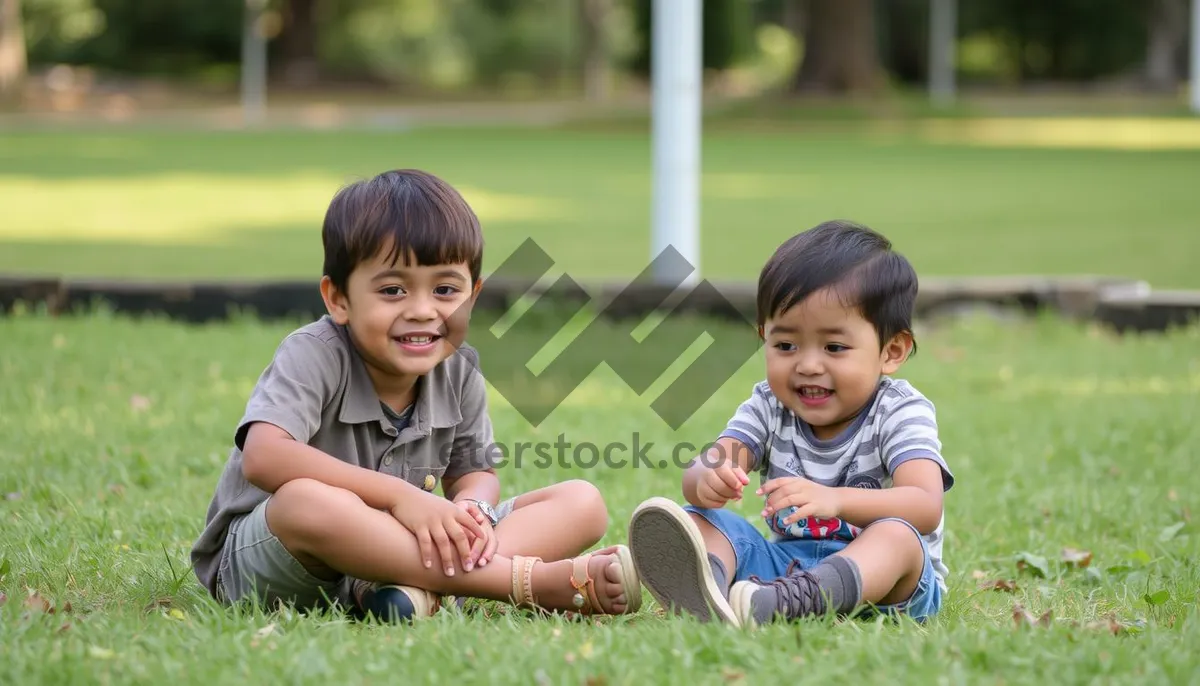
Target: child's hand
(439,523)
(483,548)
(720,484)
(810,499)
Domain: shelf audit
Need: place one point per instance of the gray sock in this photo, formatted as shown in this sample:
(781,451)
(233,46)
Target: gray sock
(833,584)
(840,583)
(720,575)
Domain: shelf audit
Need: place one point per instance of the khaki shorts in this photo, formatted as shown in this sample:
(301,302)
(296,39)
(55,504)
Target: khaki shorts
(255,565)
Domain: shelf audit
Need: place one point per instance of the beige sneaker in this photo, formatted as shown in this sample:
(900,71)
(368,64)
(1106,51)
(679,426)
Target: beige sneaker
(672,561)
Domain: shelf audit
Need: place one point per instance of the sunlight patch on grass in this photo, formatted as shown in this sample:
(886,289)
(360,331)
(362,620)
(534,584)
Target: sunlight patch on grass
(199,209)
(1104,134)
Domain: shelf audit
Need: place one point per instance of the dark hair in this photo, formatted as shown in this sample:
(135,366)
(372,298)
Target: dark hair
(406,210)
(856,261)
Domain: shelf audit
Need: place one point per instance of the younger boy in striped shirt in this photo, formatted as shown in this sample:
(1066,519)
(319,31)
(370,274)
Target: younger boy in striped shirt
(852,472)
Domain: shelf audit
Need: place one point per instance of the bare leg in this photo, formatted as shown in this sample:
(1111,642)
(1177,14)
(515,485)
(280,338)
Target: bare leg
(331,531)
(716,543)
(890,560)
(554,523)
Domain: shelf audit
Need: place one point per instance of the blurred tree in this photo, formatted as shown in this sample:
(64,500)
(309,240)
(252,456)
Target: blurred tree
(297,62)
(13,62)
(1065,40)
(594,17)
(903,27)
(840,53)
(1167,24)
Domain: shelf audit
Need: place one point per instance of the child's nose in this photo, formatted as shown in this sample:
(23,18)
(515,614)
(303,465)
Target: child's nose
(420,308)
(809,364)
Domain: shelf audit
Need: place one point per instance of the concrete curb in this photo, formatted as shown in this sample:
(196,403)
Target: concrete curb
(1124,305)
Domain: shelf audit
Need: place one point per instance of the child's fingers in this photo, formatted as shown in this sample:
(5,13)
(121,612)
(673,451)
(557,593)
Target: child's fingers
(801,513)
(425,543)
(469,523)
(729,478)
(477,550)
(459,539)
(441,540)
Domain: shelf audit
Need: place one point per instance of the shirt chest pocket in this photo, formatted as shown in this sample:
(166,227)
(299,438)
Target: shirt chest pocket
(424,463)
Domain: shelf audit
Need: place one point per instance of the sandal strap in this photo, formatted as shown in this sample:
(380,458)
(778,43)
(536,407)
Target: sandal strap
(522,580)
(584,584)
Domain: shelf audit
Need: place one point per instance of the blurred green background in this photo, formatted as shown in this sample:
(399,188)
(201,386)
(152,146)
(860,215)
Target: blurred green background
(1066,149)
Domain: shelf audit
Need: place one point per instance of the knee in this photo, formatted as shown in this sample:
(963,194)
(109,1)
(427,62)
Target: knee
(305,509)
(899,533)
(587,504)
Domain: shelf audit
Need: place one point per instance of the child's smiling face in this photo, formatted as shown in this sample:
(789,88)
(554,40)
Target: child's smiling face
(405,319)
(824,360)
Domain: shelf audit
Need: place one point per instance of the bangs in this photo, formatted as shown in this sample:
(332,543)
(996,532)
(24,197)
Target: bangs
(404,216)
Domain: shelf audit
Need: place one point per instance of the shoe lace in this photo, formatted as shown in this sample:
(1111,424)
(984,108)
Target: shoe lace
(796,593)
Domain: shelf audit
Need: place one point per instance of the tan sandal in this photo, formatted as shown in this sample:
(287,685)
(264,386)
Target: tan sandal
(586,601)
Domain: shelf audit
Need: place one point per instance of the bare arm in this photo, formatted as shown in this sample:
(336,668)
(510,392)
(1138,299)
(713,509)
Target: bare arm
(916,496)
(482,485)
(271,458)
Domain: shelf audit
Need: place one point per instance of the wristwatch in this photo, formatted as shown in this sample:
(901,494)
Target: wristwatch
(487,510)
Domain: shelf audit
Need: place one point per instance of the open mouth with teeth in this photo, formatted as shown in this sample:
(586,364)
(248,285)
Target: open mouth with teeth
(418,342)
(814,395)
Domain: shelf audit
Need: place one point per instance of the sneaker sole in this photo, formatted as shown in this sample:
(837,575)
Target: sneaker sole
(672,562)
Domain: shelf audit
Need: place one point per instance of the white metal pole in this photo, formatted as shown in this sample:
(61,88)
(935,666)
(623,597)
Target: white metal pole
(943,23)
(675,74)
(1195,68)
(254,64)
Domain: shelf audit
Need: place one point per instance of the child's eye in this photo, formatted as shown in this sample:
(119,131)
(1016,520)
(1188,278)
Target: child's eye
(836,347)
(392,291)
(785,346)
(445,290)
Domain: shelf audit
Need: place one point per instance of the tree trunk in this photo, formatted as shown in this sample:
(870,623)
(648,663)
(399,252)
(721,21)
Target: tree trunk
(1168,29)
(840,55)
(13,65)
(594,15)
(298,58)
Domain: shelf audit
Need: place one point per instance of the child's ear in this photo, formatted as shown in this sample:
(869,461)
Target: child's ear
(896,351)
(336,302)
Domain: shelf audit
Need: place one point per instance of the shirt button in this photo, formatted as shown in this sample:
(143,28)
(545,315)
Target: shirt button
(387,460)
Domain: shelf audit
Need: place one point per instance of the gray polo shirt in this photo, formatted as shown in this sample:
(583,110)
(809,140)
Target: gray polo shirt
(317,389)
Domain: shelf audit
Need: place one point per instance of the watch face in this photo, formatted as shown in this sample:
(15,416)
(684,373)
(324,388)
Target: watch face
(487,511)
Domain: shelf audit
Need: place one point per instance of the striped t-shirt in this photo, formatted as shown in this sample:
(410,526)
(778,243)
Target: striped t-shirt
(899,425)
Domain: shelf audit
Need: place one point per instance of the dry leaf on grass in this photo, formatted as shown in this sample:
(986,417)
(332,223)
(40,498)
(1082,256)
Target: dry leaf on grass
(1004,585)
(157,604)
(978,575)
(730,674)
(1023,617)
(1077,558)
(35,602)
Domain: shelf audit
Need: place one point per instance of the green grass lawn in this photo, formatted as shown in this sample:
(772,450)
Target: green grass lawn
(1060,437)
(250,205)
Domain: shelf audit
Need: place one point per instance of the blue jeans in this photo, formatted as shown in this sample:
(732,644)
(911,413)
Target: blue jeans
(766,559)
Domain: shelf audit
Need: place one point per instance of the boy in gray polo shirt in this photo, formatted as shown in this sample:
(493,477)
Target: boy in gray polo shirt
(328,494)
(851,464)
